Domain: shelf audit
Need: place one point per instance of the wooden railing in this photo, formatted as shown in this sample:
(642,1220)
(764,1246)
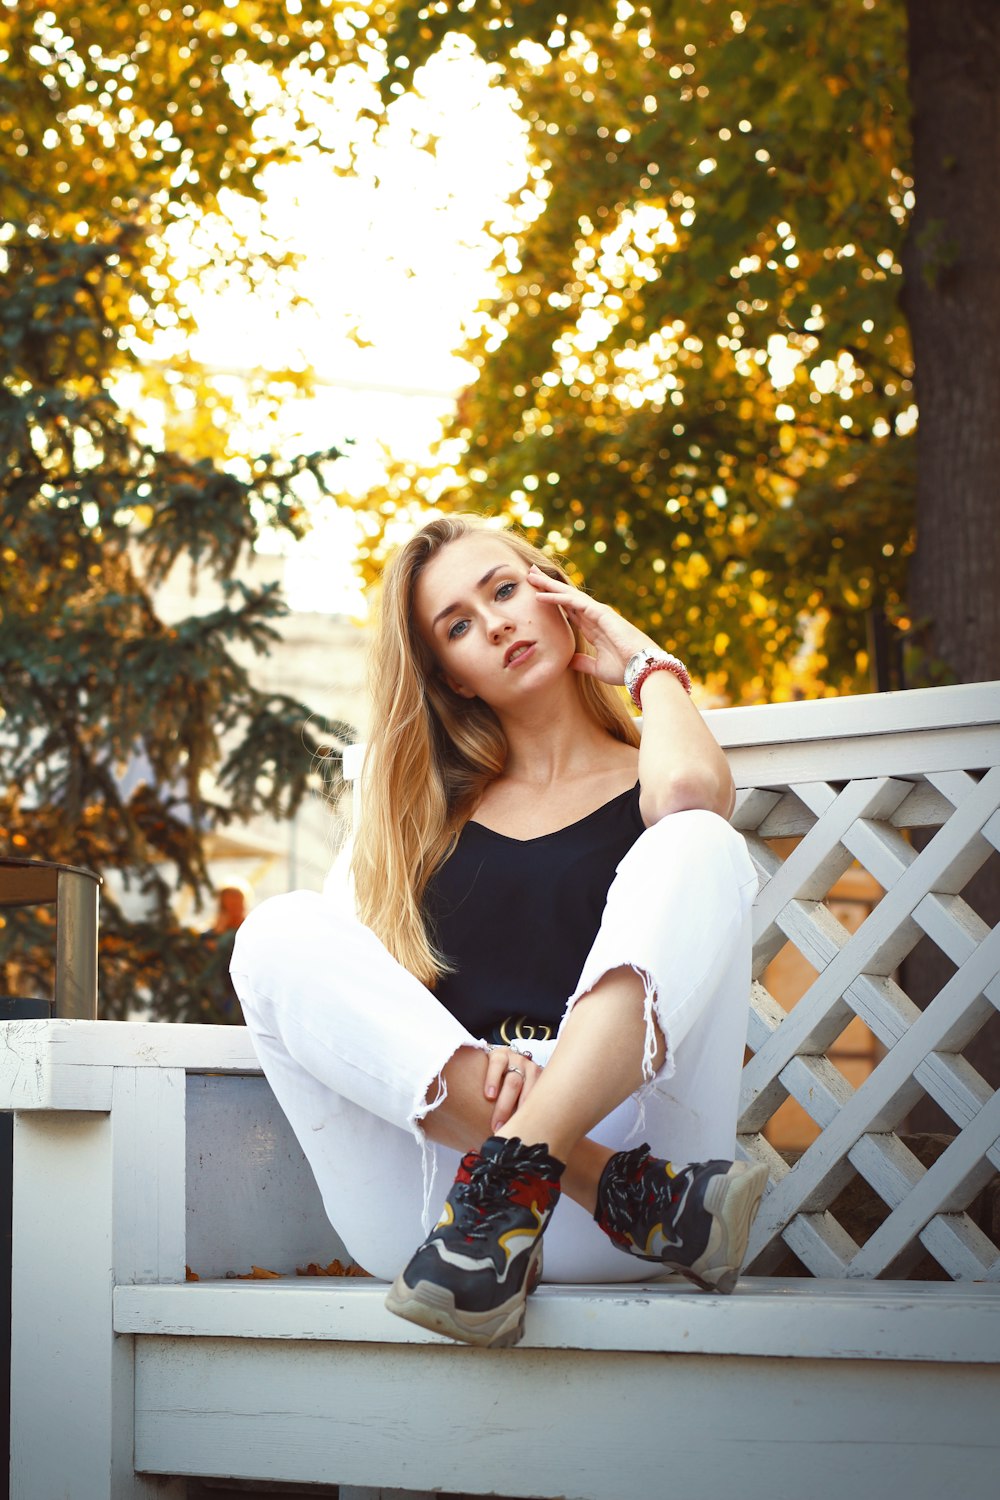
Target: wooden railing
(855,780)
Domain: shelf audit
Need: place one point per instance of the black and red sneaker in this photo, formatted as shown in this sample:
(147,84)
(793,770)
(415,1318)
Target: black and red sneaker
(694,1219)
(471,1277)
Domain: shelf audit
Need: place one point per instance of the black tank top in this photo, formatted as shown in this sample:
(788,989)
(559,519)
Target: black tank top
(517,917)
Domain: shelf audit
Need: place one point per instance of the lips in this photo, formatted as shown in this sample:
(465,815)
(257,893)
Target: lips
(514,653)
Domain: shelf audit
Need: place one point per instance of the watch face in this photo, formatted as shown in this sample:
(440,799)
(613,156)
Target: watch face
(635,665)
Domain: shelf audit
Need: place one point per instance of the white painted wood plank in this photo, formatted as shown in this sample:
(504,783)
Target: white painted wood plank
(366,1492)
(952,1181)
(954,1083)
(991,830)
(752,806)
(916,711)
(903,756)
(546,1422)
(773,826)
(948,1078)
(818,935)
(777,814)
(952,924)
(818,1164)
(888,856)
(821,858)
(248,1204)
(766,1015)
(863,951)
(954,786)
(881,849)
(818,1086)
(821,1243)
(147,1120)
(925,807)
(888,1166)
(960,1246)
(71,1379)
(39,1057)
(764,1317)
(889,1012)
(28,1079)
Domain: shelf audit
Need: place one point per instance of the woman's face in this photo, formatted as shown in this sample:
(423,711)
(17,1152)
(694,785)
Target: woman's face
(491,634)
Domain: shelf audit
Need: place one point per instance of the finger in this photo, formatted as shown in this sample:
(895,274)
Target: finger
(510,1093)
(507,1104)
(554,588)
(586,664)
(496,1067)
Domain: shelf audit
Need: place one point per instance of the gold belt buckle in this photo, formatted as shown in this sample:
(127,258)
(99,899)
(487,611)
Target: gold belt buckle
(520,1029)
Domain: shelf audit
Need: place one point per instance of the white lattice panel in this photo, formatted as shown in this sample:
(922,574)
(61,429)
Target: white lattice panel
(850,779)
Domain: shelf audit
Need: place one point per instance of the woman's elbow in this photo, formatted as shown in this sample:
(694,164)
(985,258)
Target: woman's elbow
(687,792)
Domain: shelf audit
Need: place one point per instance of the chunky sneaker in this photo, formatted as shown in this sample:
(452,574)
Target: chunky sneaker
(471,1277)
(694,1219)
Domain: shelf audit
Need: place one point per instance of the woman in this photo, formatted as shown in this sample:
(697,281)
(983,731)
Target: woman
(505,783)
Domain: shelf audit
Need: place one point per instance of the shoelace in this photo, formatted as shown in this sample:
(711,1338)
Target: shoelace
(617,1201)
(487,1191)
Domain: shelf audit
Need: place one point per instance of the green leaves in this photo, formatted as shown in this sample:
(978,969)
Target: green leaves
(703,335)
(119,726)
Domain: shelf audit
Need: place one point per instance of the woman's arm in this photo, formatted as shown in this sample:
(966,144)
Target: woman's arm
(681,764)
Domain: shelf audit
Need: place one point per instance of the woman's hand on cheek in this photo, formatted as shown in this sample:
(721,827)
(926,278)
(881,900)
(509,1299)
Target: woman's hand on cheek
(613,638)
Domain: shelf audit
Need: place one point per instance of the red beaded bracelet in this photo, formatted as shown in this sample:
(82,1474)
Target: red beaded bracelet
(638,670)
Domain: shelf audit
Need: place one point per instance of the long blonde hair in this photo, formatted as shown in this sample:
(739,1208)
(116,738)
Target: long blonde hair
(432,753)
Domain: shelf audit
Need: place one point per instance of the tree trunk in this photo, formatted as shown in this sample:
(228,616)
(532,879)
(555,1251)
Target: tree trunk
(952,302)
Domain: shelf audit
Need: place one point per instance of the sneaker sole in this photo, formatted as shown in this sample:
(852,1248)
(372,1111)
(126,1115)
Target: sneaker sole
(733,1199)
(433,1307)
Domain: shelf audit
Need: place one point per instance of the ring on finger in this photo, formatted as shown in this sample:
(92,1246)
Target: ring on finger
(517,1071)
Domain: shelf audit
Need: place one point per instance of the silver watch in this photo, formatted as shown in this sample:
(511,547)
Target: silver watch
(637,667)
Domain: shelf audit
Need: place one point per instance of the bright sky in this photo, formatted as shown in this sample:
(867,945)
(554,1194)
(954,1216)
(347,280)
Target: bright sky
(394,262)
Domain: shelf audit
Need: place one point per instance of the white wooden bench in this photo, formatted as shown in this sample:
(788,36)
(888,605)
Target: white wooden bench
(142,1148)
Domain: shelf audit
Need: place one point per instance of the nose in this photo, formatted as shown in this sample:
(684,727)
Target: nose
(498,627)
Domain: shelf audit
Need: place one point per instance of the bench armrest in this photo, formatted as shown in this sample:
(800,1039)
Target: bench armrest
(67,1065)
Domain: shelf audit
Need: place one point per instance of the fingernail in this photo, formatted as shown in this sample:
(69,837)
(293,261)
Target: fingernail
(491,1092)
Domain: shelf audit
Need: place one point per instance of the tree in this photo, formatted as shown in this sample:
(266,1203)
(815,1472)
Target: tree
(115,123)
(952,302)
(697,378)
(710,188)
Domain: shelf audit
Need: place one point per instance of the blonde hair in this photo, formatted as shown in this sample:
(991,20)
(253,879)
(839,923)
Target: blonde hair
(432,753)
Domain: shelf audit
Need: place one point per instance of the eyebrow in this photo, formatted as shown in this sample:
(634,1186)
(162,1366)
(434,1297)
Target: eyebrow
(451,609)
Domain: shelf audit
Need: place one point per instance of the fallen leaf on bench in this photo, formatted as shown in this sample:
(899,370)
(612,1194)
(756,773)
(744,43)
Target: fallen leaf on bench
(190,1275)
(335,1268)
(255,1273)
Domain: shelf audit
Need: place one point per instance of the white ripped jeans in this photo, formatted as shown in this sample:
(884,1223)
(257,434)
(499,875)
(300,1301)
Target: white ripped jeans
(352,1044)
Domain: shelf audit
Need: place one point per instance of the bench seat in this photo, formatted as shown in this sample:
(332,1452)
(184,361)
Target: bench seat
(793,1388)
(767,1317)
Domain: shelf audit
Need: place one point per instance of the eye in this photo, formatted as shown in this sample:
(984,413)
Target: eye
(456,631)
(505,590)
